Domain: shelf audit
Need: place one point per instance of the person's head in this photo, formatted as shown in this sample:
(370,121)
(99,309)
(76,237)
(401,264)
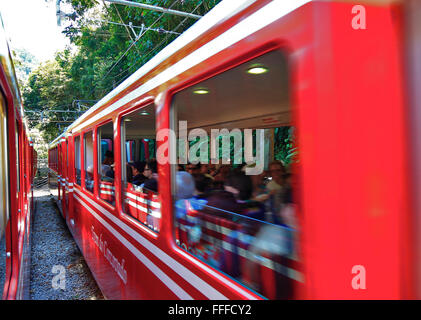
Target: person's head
(104,169)
(204,168)
(193,168)
(185,185)
(276,170)
(129,172)
(109,158)
(240,185)
(137,167)
(202,183)
(90,171)
(150,168)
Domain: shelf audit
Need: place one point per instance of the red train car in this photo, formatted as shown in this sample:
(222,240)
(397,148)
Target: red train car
(333,71)
(16,180)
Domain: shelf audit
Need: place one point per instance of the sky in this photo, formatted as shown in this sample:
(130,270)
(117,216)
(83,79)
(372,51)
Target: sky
(32,25)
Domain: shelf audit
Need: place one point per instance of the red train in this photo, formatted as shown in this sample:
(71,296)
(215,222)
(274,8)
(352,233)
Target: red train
(334,71)
(18,167)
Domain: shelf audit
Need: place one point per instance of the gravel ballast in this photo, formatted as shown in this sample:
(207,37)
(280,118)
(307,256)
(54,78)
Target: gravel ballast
(58,269)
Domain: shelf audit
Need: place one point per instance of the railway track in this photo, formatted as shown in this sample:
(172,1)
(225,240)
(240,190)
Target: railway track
(58,269)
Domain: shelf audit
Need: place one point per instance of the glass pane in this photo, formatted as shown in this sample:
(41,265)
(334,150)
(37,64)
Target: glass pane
(140,175)
(233,188)
(106,163)
(77,161)
(4,193)
(89,161)
(259,254)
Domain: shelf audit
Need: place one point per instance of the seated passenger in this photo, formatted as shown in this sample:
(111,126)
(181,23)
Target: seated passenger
(260,192)
(288,210)
(276,190)
(193,168)
(203,185)
(151,174)
(89,179)
(241,186)
(185,206)
(137,169)
(129,172)
(205,170)
(110,173)
(109,158)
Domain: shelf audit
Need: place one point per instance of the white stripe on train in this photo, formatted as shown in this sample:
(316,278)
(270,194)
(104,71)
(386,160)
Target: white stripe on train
(155,213)
(197,282)
(154,204)
(166,280)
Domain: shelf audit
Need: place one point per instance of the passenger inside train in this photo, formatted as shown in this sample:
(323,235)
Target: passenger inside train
(244,225)
(140,178)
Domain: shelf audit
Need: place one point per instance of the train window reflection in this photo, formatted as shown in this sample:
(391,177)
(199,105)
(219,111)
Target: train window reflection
(89,160)
(140,174)
(106,163)
(238,215)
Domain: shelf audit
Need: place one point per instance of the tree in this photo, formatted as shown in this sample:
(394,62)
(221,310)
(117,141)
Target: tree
(24,63)
(106,53)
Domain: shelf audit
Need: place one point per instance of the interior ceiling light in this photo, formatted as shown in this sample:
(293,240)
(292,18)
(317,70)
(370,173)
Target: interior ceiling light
(259,69)
(144,113)
(201,91)
(127,119)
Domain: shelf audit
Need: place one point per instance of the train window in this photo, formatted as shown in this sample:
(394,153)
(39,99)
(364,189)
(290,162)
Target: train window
(4,191)
(106,163)
(140,176)
(78,166)
(232,190)
(17,158)
(88,143)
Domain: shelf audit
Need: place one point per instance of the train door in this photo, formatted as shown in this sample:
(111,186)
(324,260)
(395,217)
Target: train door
(4,201)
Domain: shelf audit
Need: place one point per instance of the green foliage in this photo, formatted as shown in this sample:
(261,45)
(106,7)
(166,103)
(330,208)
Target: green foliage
(24,63)
(285,145)
(102,58)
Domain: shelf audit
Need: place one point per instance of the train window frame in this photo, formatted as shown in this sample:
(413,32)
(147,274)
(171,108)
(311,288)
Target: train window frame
(126,217)
(97,151)
(78,136)
(172,110)
(89,131)
(18,144)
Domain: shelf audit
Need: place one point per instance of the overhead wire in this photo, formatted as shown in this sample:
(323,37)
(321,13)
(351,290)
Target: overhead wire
(157,46)
(137,39)
(133,43)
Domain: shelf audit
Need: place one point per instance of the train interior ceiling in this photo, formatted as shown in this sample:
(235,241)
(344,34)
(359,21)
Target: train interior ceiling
(251,95)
